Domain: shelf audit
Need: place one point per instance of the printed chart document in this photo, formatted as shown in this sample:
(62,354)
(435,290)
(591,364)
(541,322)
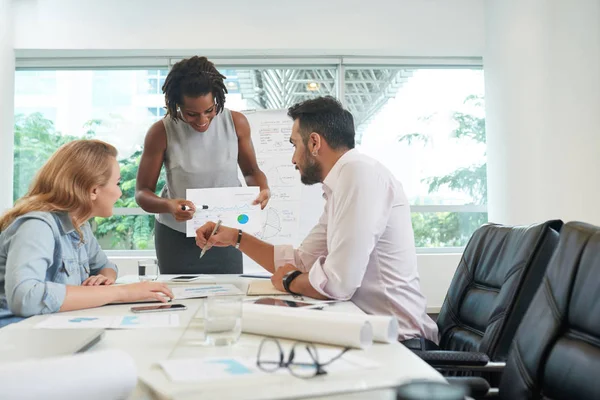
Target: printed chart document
(209,369)
(164,320)
(233,206)
(214,368)
(199,291)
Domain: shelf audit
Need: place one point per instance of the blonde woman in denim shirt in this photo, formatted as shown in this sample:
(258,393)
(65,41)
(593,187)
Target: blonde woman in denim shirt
(49,259)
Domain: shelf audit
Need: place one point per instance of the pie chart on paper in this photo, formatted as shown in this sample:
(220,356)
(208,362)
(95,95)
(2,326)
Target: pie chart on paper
(243,219)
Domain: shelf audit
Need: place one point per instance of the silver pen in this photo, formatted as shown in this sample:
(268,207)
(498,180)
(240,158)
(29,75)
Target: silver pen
(211,235)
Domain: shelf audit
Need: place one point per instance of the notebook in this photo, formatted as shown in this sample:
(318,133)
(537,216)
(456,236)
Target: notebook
(262,287)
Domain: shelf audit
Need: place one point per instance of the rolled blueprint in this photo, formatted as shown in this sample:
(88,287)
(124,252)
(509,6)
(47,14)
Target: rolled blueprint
(339,329)
(385,328)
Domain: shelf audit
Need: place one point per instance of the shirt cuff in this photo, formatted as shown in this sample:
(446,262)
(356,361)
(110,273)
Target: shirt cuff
(283,254)
(54,297)
(317,278)
(112,266)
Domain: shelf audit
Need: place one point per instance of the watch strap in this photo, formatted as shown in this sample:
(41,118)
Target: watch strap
(288,278)
(239,239)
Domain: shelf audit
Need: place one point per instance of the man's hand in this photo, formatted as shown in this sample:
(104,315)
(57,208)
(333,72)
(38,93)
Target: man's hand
(97,280)
(277,277)
(263,198)
(222,238)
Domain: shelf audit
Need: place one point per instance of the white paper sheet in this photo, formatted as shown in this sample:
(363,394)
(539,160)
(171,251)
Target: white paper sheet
(233,206)
(99,375)
(204,279)
(162,320)
(215,368)
(338,329)
(199,291)
(209,369)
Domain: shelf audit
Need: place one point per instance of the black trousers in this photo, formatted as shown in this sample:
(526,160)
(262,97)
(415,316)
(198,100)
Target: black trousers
(178,254)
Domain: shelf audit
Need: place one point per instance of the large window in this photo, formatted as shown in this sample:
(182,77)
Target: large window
(104,104)
(275,88)
(426,125)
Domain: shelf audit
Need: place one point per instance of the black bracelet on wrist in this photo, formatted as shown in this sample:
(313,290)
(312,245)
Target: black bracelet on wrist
(239,239)
(288,279)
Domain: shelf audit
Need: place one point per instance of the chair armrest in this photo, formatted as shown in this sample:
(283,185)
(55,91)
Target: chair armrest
(453,358)
(478,387)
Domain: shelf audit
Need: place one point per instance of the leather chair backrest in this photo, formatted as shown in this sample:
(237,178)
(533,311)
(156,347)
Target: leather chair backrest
(498,275)
(556,352)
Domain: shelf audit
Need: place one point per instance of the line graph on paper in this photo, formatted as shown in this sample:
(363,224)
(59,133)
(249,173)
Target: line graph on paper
(233,206)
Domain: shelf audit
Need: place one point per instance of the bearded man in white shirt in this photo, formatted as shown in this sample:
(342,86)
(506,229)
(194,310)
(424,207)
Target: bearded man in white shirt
(362,248)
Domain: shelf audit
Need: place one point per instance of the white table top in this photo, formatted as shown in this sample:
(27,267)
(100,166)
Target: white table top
(150,346)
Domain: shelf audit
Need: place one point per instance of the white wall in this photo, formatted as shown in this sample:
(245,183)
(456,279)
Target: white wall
(542,76)
(403,27)
(7,97)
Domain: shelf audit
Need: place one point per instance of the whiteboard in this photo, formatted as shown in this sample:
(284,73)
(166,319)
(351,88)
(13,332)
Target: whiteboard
(294,208)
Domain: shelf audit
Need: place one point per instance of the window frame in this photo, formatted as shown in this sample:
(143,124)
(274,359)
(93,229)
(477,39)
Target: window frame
(115,60)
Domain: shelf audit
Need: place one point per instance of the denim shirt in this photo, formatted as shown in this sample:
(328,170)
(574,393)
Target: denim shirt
(40,254)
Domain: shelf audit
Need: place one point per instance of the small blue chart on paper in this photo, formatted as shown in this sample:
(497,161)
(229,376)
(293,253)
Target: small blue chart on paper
(210,369)
(166,320)
(79,320)
(232,366)
(130,320)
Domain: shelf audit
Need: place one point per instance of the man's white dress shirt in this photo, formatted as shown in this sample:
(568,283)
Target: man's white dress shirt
(363,247)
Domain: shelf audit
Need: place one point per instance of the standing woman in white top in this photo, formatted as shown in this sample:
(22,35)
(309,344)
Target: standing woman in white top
(200,143)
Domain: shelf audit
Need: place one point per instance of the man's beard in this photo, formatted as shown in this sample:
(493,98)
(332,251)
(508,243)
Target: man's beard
(311,171)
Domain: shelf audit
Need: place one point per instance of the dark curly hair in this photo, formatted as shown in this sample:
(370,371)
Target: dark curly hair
(193,77)
(327,117)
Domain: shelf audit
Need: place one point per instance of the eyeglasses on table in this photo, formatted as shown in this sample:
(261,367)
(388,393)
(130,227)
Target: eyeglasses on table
(302,361)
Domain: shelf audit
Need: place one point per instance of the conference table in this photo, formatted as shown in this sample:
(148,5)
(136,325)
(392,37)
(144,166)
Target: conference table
(396,364)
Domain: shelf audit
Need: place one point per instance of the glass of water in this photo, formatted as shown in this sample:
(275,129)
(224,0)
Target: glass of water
(222,320)
(148,270)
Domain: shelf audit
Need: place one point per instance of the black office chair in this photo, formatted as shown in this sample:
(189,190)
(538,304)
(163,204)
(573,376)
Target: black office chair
(501,268)
(556,351)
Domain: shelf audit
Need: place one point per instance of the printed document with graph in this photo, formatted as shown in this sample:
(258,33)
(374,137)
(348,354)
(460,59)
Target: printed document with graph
(233,206)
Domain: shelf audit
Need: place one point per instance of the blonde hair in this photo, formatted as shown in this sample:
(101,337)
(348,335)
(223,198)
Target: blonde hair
(65,181)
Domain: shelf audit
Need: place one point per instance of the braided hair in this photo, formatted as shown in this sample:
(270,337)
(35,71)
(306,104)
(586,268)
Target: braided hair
(193,77)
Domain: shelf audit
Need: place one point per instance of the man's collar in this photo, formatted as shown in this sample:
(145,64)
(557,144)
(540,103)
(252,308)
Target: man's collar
(65,223)
(331,179)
